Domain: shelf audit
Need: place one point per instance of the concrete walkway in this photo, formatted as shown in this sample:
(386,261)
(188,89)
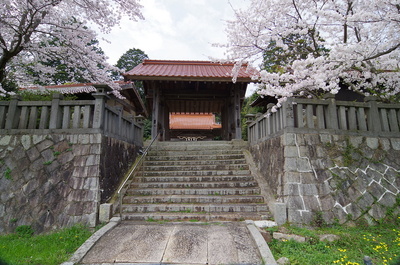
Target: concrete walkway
(176,243)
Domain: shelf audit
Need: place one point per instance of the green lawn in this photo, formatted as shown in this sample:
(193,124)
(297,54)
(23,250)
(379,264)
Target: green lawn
(47,249)
(381,243)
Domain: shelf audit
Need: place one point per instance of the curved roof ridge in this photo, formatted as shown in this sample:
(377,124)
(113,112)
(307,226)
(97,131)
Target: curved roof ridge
(189,70)
(186,62)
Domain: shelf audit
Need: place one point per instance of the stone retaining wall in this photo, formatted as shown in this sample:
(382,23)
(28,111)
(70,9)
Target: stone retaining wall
(345,178)
(57,180)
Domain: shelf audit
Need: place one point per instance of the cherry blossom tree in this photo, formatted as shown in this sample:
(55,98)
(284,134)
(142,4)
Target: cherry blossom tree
(355,43)
(29,29)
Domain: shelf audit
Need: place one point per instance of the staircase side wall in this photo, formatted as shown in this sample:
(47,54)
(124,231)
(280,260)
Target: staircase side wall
(57,180)
(116,159)
(341,178)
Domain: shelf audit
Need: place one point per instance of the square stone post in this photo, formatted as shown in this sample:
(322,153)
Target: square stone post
(236,116)
(374,121)
(280,213)
(105,212)
(257,129)
(13,113)
(99,108)
(155,112)
(119,128)
(332,117)
(138,122)
(288,117)
(56,112)
(250,120)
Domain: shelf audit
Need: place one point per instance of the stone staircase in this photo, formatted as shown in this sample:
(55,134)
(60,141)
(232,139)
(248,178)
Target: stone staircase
(204,180)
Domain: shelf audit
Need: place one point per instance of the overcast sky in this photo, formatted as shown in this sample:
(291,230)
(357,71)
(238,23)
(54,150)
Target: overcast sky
(174,29)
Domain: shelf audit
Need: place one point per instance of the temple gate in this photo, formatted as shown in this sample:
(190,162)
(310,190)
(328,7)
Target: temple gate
(192,87)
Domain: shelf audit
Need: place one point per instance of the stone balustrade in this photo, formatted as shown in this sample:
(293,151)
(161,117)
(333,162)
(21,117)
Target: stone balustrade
(61,159)
(69,116)
(330,159)
(305,115)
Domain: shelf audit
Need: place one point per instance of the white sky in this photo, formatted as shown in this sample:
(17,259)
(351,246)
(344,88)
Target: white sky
(174,30)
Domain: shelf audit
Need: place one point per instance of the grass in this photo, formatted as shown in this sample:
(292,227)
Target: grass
(381,243)
(7,174)
(23,247)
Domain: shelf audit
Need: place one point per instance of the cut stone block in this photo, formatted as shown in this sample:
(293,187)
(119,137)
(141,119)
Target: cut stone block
(280,214)
(105,212)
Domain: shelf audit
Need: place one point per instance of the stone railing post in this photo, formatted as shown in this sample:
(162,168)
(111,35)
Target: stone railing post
(249,120)
(332,116)
(99,108)
(13,113)
(132,132)
(140,121)
(55,112)
(288,116)
(119,122)
(374,120)
(271,120)
(257,133)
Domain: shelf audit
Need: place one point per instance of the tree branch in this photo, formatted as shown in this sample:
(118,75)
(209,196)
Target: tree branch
(297,10)
(345,27)
(383,53)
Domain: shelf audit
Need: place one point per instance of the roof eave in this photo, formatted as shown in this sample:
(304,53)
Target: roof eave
(188,78)
(137,98)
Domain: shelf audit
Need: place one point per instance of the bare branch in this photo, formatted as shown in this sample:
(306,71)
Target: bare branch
(383,53)
(297,10)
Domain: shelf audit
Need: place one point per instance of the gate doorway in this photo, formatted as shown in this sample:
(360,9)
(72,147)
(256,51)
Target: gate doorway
(192,88)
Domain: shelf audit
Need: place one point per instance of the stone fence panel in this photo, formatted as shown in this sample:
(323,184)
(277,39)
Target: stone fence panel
(345,178)
(57,180)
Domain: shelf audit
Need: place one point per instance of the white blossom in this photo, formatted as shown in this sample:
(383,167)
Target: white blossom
(362,38)
(28,30)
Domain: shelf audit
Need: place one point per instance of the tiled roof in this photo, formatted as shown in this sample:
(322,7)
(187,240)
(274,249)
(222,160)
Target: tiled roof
(160,69)
(76,87)
(193,122)
(127,89)
(65,89)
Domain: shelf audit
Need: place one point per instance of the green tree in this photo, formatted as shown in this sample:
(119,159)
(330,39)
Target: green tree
(128,61)
(298,47)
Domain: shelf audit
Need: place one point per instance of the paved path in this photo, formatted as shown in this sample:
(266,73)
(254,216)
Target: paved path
(176,243)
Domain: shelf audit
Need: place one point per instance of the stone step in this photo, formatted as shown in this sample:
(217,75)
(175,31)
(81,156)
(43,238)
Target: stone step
(197,173)
(198,145)
(193,199)
(192,185)
(195,162)
(169,143)
(193,147)
(194,152)
(196,167)
(216,191)
(205,181)
(224,216)
(187,157)
(193,178)
(193,208)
